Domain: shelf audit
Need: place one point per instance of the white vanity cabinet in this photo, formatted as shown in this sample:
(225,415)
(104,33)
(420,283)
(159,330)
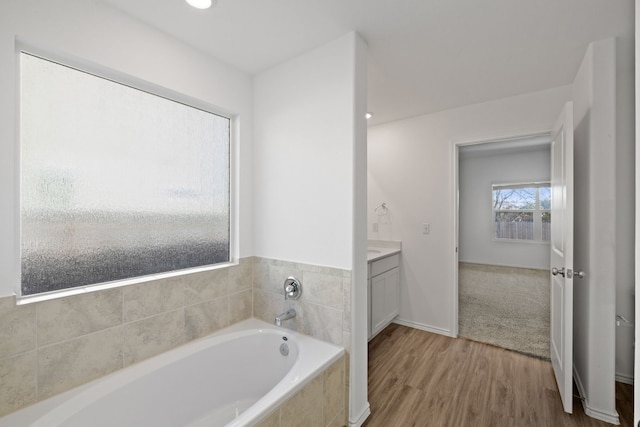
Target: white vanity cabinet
(384,292)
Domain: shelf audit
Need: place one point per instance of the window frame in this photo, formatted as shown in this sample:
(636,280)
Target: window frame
(120,77)
(536,230)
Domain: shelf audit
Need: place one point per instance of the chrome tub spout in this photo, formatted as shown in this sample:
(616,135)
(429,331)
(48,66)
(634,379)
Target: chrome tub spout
(289,314)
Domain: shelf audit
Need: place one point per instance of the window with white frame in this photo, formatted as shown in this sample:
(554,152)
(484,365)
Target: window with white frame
(116,182)
(522,211)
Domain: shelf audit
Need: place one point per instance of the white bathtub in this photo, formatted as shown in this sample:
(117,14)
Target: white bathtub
(232,378)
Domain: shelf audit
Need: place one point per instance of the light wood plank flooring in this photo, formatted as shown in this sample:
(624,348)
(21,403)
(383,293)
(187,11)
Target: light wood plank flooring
(421,379)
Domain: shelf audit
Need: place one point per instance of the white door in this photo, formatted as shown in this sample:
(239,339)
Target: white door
(562,254)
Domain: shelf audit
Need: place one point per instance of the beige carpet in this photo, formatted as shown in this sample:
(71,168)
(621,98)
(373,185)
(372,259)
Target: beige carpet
(505,306)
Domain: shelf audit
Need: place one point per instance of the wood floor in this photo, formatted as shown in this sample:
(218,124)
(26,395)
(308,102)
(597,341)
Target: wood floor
(421,379)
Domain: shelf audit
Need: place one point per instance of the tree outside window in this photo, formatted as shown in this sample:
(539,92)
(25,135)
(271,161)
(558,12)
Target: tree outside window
(522,211)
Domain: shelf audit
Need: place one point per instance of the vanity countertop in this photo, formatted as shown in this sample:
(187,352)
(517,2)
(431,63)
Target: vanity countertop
(375,252)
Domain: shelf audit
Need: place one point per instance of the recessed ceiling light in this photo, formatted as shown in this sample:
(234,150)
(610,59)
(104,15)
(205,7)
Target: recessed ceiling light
(202,4)
(368,115)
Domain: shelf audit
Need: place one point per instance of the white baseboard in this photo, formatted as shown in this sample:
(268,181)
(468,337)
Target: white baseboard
(606,416)
(504,264)
(578,381)
(361,418)
(625,379)
(422,327)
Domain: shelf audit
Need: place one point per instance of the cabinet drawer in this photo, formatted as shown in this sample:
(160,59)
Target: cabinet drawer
(384,264)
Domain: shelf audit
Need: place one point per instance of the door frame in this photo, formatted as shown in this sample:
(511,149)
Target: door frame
(455,191)
(636,354)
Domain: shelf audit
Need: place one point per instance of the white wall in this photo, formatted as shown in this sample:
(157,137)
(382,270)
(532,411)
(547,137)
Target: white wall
(594,98)
(411,168)
(358,373)
(604,120)
(94,32)
(310,152)
(625,164)
(636,361)
(478,170)
(303,175)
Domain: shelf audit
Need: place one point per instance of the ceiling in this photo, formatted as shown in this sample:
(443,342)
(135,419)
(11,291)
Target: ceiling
(423,55)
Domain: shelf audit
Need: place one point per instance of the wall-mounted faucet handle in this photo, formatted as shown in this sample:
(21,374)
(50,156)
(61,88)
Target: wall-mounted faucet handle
(292,288)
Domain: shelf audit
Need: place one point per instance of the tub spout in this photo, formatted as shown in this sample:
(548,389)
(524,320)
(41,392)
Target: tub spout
(289,314)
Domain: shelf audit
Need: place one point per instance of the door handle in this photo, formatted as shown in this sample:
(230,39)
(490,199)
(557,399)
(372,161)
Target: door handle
(555,271)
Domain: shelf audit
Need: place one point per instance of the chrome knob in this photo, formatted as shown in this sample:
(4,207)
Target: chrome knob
(555,271)
(292,288)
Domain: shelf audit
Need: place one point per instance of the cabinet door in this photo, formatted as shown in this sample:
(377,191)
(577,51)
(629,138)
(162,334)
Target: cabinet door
(378,303)
(384,299)
(392,293)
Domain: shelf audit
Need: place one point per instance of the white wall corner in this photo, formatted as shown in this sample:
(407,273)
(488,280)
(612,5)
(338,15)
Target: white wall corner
(636,363)
(595,244)
(359,408)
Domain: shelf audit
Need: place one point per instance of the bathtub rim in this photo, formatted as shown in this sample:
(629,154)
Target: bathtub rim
(57,408)
(290,384)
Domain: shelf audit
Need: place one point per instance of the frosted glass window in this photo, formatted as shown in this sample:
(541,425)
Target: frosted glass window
(116,182)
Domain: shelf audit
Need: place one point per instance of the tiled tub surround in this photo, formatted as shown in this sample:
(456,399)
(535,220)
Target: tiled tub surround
(323,310)
(49,347)
(320,403)
(186,385)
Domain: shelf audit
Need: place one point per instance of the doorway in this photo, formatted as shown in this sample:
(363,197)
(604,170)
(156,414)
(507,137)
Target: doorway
(503,253)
